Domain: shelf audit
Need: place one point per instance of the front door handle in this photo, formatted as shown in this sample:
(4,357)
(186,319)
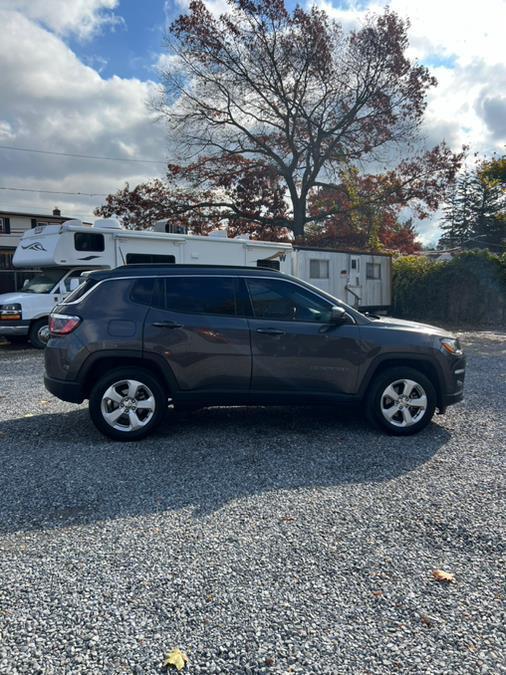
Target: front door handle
(270,331)
(167,324)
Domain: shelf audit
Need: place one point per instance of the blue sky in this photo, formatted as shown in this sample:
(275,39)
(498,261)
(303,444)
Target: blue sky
(76,77)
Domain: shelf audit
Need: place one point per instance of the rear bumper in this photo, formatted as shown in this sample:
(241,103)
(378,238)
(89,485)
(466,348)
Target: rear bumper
(64,389)
(14,328)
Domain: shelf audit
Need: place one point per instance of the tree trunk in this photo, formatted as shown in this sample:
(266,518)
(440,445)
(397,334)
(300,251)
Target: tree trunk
(299,218)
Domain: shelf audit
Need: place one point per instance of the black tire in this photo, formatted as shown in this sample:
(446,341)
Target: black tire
(149,384)
(378,400)
(37,329)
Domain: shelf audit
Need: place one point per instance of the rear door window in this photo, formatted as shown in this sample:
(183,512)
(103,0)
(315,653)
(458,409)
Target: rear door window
(201,295)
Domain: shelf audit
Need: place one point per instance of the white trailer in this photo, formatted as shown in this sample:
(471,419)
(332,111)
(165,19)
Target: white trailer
(363,280)
(61,253)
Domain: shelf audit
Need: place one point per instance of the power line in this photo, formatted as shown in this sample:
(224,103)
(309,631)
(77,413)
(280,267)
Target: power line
(54,192)
(79,156)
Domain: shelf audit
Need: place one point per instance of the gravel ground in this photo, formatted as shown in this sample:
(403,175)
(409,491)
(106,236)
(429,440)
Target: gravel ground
(257,540)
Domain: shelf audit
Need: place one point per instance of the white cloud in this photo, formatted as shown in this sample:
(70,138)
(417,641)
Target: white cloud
(52,101)
(463,45)
(83,18)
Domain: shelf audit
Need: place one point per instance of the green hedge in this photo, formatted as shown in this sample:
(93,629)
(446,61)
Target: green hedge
(469,289)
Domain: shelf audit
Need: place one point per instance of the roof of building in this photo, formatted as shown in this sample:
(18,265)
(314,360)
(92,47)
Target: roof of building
(46,216)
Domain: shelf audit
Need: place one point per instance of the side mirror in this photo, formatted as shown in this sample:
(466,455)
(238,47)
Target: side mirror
(337,315)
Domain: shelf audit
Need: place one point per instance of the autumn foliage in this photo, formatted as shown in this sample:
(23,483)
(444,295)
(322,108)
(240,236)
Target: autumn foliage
(283,123)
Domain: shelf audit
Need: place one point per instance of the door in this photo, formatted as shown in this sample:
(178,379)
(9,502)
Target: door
(354,286)
(294,347)
(194,324)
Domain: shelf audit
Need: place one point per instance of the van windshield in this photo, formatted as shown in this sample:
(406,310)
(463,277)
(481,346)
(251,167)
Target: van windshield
(42,282)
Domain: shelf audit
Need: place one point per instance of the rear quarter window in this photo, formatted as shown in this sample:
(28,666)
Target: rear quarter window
(78,293)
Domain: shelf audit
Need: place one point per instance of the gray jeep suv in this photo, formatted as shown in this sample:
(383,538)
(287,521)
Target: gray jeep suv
(133,339)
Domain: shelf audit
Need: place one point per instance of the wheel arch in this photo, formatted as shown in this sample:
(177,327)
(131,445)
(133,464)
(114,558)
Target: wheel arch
(422,364)
(96,366)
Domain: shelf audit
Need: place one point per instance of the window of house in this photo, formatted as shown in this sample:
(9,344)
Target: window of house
(373,271)
(149,259)
(201,295)
(85,241)
(318,269)
(274,299)
(5,226)
(6,260)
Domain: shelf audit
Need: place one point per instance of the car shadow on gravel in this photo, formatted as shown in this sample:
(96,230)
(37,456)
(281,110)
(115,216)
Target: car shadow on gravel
(57,470)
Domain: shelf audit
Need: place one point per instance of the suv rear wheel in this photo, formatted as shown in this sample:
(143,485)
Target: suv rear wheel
(127,403)
(401,400)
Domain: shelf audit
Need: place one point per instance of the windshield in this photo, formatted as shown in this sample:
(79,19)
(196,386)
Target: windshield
(43,282)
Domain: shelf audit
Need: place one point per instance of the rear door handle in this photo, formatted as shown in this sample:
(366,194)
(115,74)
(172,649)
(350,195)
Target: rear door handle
(167,324)
(270,331)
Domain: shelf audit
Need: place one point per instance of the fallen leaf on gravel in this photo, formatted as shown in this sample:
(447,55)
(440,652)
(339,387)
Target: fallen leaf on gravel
(43,401)
(446,577)
(269,661)
(472,648)
(378,594)
(427,620)
(287,519)
(176,659)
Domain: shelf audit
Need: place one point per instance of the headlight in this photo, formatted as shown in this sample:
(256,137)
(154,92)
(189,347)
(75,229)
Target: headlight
(452,346)
(10,312)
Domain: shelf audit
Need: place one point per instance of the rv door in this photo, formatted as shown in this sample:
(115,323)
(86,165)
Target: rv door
(354,286)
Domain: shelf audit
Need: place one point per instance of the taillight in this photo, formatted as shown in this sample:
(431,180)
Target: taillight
(61,324)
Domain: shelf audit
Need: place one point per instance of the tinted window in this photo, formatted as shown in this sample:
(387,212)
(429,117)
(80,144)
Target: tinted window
(80,291)
(142,291)
(280,300)
(146,258)
(268,263)
(201,295)
(85,241)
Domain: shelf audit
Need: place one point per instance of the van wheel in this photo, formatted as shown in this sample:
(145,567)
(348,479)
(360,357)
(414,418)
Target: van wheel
(401,401)
(127,404)
(39,333)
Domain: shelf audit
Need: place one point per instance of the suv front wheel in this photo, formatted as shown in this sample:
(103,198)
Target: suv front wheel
(401,400)
(127,404)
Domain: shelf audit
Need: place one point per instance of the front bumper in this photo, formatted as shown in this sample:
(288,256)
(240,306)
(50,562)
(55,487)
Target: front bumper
(66,390)
(14,328)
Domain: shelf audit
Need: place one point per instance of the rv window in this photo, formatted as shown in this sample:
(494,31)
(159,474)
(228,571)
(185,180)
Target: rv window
(85,241)
(268,263)
(149,258)
(318,269)
(201,295)
(373,271)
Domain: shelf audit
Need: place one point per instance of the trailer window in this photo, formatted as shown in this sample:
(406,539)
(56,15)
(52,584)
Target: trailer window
(84,241)
(373,271)
(268,264)
(149,258)
(318,269)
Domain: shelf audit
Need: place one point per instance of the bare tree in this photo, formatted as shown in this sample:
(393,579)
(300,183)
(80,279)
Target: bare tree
(296,93)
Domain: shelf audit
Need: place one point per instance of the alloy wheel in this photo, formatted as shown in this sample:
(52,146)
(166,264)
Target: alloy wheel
(128,405)
(403,403)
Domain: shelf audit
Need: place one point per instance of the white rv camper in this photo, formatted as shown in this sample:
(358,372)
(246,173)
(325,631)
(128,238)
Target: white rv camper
(61,253)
